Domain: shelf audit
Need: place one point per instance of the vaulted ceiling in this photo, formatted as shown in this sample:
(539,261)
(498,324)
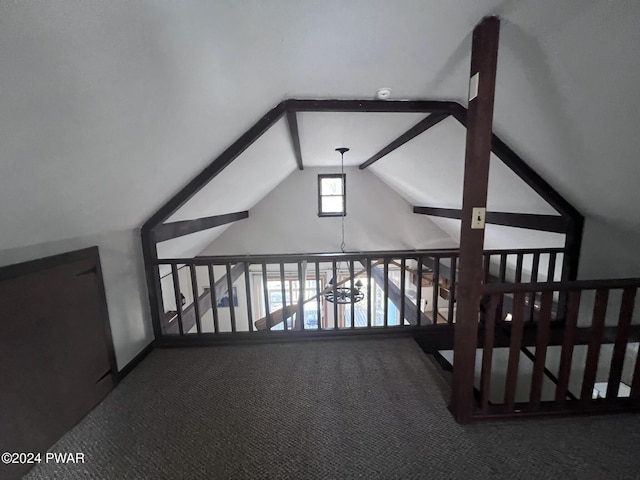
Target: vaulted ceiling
(110,108)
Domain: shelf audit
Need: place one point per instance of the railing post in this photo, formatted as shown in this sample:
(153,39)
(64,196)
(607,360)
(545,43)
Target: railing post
(484,59)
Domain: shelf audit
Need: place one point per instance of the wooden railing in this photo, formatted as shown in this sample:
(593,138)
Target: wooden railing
(400,290)
(581,359)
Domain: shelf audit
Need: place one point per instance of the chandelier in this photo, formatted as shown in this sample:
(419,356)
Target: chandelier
(340,292)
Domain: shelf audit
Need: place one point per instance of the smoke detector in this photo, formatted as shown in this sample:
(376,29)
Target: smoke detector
(383,93)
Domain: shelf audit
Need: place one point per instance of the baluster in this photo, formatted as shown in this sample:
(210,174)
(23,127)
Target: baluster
(452,289)
(247,284)
(318,308)
(353,286)
(593,352)
(369,288)
(386,292)
(232,309)
(265,289)
(419,274)
(214,300)
(520,258)
(573,307)
(436,287)
(517,327)
(542,342)
(178,297)
(283,292)
(196,302)
(622,338)
(335,296)
(487,353)
(534,278)
(403,267)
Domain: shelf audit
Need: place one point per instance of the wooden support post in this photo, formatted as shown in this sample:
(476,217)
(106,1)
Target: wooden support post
(484,59)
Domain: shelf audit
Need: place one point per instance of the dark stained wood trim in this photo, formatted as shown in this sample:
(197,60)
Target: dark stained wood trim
(484,60)
(152,276)
(493,288)
(420,127)
(546,223)
(215,167)
(381,106)
(167,231)
(128,368)
(292,122)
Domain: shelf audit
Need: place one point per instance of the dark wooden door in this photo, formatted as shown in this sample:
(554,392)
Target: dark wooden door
(56,355)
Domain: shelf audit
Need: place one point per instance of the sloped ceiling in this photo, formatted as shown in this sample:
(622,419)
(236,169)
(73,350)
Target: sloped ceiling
(109,108)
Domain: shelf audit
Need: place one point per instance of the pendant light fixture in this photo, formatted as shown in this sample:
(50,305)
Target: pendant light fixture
(340,293)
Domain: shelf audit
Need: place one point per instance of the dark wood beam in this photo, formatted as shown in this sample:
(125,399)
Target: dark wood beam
(396,297)
(484,62)
(292,121)
(420,127)
(167,231)
(402,106)
(215,167)
(546,223)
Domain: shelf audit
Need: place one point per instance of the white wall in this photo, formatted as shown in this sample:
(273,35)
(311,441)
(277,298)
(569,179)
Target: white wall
(123,274)
(286,220)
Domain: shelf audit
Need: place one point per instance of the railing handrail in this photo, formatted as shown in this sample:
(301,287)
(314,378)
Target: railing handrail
(497,288)
(321,257)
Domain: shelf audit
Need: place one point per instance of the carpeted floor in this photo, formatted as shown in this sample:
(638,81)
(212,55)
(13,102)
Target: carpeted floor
(369,409)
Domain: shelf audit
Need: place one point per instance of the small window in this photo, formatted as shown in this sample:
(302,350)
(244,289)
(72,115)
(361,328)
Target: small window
(332,199)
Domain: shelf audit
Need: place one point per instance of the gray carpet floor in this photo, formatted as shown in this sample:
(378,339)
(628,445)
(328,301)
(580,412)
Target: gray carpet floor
(368,409)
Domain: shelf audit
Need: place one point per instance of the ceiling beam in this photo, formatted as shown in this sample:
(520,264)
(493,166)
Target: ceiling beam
(167,231)
(546,223)
(401,106)
(214,168)
(420,127)
(292,121)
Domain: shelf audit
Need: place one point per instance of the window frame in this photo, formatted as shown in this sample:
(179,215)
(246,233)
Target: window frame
(343,195)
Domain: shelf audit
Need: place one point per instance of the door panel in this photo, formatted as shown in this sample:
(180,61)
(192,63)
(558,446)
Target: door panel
(55,349)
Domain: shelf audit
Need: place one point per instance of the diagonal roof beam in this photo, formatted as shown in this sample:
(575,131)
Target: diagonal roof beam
(215,167)
(292,121)
(420,127)
(167,231)
(546,223)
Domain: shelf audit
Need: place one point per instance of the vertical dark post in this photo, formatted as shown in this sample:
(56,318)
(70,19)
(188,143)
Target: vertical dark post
(353,286)
(622,338)
(534,279)
(595,342)
(452,289)
(520,257)
(368,267)
(335,295)
(419,293)
(484,60)
(265,290)
(214,299)
(542,342)
(551,270)
(152,273)
(196,299)
(436,287)
(302,284)
(247,285)
(319,311)
(487,353)
(176,292)
(487,267)
(403,268)
(517,329)
(386,292)
(566,355)
(283,292)
(232,308)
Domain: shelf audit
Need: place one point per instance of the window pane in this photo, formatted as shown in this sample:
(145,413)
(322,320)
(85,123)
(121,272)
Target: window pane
(331,186)
(332,205)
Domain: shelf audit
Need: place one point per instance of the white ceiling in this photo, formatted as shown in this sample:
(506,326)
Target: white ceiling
(109,108)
